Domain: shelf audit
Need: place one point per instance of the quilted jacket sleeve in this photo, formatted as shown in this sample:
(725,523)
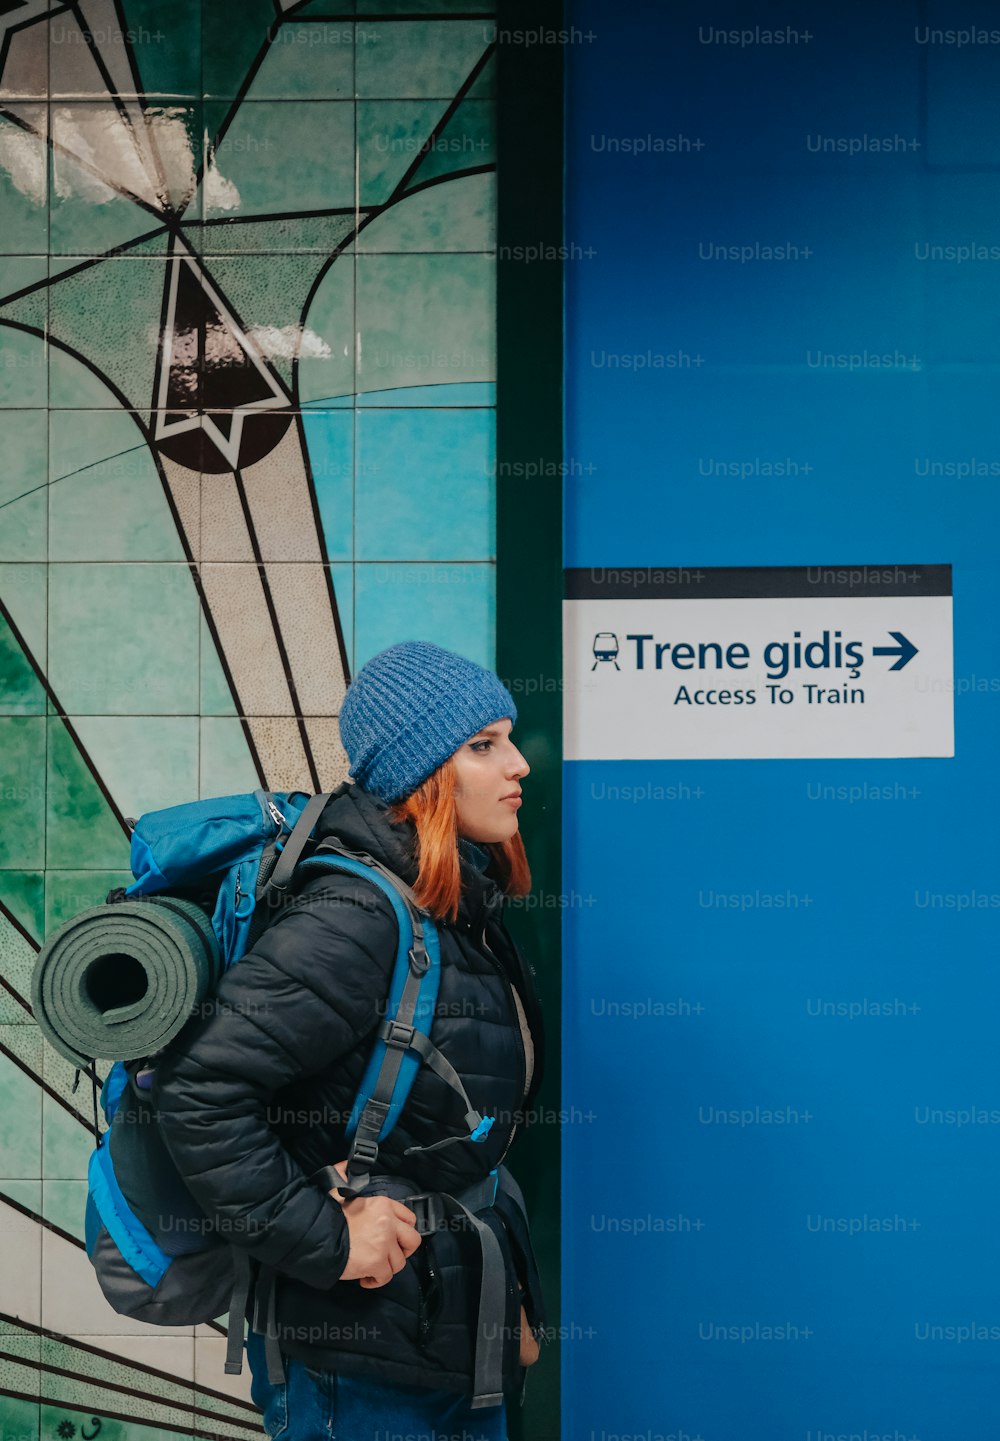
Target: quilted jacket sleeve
(308,991)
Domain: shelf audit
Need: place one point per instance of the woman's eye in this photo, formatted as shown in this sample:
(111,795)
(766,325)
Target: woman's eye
(477,744)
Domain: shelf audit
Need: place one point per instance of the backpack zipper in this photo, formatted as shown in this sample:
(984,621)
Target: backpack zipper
(423,1321)
(423,1317)
(520,1039)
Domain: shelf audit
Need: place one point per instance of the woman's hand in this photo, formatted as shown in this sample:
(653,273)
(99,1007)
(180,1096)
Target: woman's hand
(530,1349)
(382,1235)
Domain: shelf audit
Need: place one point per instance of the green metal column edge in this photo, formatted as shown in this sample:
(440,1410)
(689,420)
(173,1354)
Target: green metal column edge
(529,581)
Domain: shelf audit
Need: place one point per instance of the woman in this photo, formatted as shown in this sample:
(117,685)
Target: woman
(377,1321)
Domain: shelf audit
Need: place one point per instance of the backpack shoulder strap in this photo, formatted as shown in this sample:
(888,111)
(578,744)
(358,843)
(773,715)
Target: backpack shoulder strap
(403,1038)
(291,852)
(413,992)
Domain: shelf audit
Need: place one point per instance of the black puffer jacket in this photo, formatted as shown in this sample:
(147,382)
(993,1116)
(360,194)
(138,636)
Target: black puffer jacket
(256,1096)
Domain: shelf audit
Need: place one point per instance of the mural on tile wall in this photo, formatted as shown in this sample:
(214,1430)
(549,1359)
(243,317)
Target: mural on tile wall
(246,397)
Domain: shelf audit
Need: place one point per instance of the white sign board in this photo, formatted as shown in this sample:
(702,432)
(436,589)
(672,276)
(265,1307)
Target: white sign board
(758,662)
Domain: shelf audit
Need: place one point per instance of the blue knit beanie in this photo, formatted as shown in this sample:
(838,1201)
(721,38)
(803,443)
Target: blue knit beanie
(409,708)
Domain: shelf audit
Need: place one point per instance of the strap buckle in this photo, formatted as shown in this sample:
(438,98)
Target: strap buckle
(365,1151)
(420,961)
(429,1210)
(398,1034)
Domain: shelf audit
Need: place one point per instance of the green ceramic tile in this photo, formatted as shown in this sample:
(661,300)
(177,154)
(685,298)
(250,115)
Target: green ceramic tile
(419,7)
(317,235)
(29,1195)
(20,1420)
(24,592)
(392,135)
(226,763)
(269,294)
(67,893)
(17,955)
(449,395)
(100,663)
(81,829)
(83,440)
(467,140)
(60,1076)
(146,762)
(425,319)
(110,314)
(175,155)
(459,214)
(25,277)
(74,386)
(12,1013)
(64,1203)
(106,498)
(23,894)
(23,359)
(24,377)
(216,697)
(66,1142)
(22,1277)
(99,179)
(233,34)
(330,443)
(166,45)
(23,184)
(408,459)
(153,242)
(484,86)
(22,786)
(343,592)
(25,463)
(409,59)
(21,1112)
(74,71)
(82,1403)
(286,155)
(26,67)
(152,1404)
(23,527)
(167,1354)
(21,691)
(331,320)
(453,605)
(308,60)
(19,1373)
(88,63)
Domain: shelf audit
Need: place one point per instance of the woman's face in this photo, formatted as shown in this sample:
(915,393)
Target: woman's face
(488,768)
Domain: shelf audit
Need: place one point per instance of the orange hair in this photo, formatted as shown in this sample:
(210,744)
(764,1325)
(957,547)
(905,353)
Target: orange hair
(438,884)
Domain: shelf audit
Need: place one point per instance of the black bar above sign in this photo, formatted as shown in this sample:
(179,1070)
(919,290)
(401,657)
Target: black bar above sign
(752,582)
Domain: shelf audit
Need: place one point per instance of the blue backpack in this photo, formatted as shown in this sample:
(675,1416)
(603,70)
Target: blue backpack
(152,1247)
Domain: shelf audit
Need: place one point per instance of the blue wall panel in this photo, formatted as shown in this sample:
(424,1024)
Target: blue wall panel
(844,1006)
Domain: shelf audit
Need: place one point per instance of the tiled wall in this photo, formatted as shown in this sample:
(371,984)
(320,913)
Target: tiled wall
(246,407)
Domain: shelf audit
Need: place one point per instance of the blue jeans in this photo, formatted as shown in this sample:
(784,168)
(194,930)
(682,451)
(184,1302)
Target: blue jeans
(325,1406)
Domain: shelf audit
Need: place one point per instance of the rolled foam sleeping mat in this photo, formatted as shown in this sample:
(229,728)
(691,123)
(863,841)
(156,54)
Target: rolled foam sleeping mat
(118,982)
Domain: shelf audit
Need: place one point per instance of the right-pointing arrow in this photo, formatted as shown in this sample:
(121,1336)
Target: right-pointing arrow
(905,650)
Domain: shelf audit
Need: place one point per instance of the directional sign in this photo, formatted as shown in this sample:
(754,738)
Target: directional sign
(758,662)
